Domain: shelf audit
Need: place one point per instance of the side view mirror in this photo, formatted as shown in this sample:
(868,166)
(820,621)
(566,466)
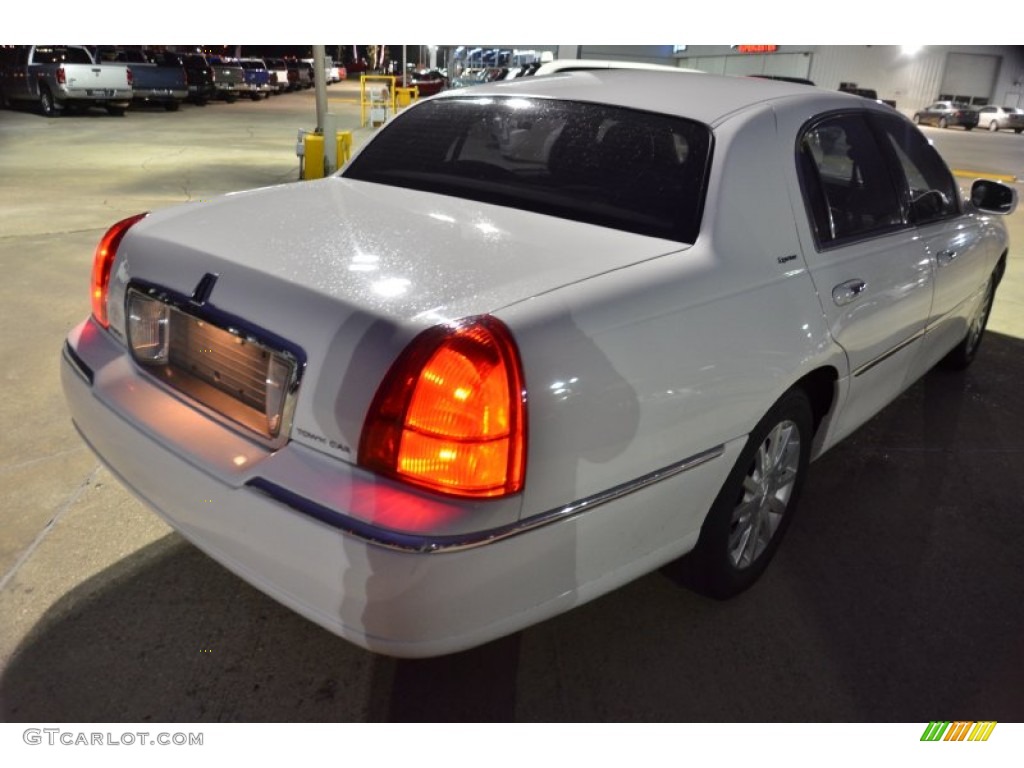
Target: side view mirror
(993,197)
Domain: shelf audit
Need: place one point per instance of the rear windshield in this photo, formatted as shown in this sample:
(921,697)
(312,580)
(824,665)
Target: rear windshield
(636,171)
(59,54)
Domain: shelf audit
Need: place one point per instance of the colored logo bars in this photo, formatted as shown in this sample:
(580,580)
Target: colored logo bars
(958,731)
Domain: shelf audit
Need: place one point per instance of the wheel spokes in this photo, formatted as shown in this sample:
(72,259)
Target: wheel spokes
(767,489)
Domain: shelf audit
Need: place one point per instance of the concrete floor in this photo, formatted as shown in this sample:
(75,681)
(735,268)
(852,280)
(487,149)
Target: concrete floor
(896,596)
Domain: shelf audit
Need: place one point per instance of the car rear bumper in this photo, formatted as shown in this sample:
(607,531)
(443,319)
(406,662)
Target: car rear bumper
(384,595)
(160,94)
(112,96)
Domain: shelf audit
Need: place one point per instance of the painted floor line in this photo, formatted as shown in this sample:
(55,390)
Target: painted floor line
(68,503)
(1004,177)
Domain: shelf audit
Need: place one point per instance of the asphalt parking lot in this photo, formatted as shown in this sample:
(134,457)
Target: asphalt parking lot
(896,596)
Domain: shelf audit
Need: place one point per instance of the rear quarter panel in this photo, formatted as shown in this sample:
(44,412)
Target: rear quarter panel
(636,369)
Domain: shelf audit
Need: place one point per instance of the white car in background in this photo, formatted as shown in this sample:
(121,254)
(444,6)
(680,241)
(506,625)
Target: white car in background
(995,118)
(536,339)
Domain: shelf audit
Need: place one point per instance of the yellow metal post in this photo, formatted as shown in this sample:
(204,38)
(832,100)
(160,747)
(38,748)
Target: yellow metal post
(313,167)
(406,96)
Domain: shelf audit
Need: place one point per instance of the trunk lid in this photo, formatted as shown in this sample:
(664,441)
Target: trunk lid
(351,271)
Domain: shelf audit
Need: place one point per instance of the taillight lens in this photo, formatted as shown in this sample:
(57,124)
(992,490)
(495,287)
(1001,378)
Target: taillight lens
(62,77)
(131,77)
(102,264)
(450,415)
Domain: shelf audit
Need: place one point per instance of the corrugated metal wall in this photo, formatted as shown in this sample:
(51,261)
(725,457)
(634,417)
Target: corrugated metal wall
(653,54)
(911,80)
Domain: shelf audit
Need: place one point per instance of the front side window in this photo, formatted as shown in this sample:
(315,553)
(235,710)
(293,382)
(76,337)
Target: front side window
(930,191)
(635,171)
(848,187)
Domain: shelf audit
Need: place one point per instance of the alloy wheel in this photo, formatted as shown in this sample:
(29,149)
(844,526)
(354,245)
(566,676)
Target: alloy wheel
(766,492)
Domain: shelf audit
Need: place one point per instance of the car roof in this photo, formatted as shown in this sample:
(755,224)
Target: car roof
(703,97)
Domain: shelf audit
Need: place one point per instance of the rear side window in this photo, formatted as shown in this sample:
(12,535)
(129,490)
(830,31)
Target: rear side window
(848,187)
(635,171)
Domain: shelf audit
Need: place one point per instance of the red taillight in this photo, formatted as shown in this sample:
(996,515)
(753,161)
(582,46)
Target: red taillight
(450,415)
(103,262)
(131,77)
(62,76)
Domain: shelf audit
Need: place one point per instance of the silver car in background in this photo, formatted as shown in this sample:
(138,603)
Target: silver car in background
(999,118)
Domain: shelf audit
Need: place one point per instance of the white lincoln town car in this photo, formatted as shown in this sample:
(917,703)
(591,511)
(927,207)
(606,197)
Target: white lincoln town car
(536,339)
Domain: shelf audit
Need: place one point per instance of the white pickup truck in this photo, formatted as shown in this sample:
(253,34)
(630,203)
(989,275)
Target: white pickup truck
(63,77)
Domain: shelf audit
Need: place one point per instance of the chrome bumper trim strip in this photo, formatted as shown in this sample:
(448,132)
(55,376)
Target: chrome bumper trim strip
(77,363)
(886,355)
(405,542)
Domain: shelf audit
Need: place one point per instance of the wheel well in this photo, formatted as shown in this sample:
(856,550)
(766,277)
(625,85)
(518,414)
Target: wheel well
(820,387)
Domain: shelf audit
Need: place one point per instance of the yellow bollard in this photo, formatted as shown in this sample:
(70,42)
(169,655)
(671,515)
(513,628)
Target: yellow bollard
(344,147)
(313,167)
(404,96)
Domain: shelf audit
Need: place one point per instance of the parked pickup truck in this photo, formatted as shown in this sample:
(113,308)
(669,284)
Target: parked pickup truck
(198,76)
(257,78)
(223,80)
(63,77)
(157,78)
(279,75)
(228,78)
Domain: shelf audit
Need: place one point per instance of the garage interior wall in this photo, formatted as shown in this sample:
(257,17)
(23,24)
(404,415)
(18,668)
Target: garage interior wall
(970,77)
(911,80)
(652,54)
(787,64)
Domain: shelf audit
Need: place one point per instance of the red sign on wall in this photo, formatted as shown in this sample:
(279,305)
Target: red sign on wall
(757,48)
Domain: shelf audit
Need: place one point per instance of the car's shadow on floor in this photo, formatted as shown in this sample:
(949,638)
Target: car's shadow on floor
(896,595)
(169,635)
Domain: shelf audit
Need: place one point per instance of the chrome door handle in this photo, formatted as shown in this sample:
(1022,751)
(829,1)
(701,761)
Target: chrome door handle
(945,257)
(849,291)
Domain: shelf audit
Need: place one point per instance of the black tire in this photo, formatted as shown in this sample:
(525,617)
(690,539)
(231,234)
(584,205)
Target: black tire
(993,126)
(1018,130)
(172,106)
(963,354)
(749,517)
(968,127)
(115,111)
(4,101)
(943,123)
(231,98)
(46,103)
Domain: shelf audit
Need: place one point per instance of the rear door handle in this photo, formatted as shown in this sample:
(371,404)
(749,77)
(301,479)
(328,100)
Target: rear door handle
(849,291)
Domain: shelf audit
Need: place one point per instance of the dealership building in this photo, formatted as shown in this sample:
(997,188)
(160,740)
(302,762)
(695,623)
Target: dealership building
(912,76)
